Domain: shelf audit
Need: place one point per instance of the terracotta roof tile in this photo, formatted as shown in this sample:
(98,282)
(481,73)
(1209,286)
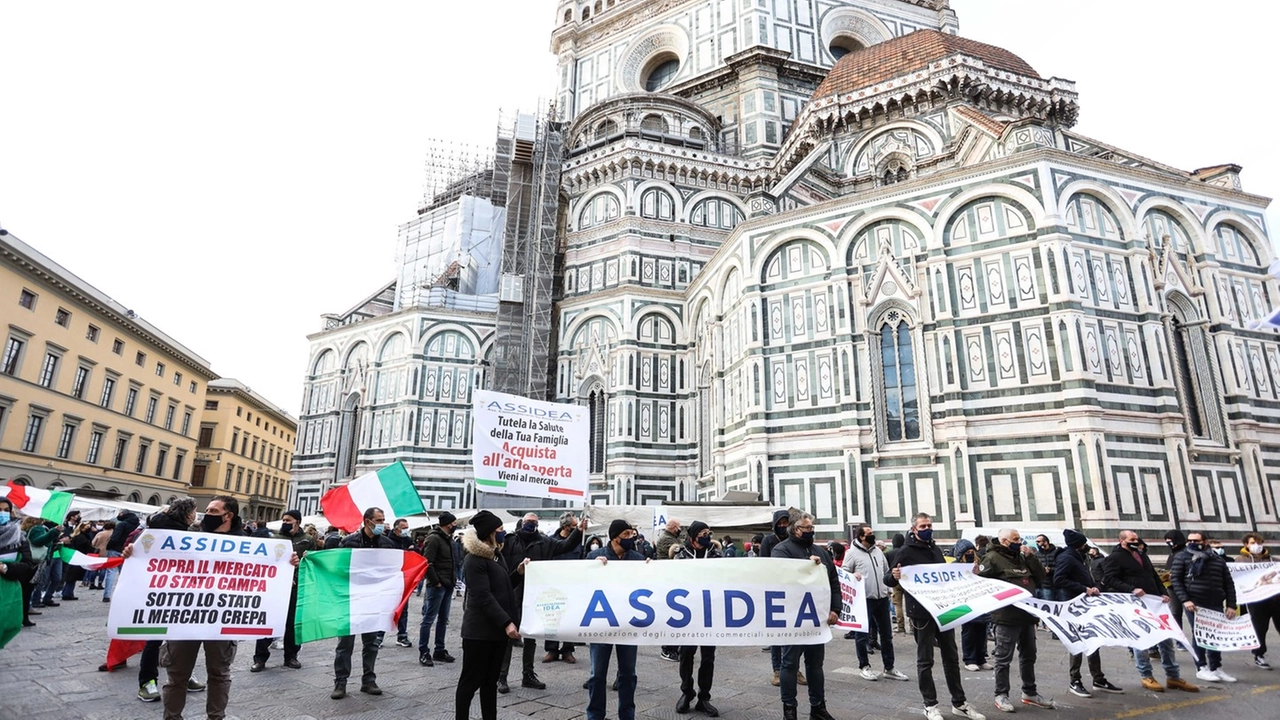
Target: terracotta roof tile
(899,56)
(984,122)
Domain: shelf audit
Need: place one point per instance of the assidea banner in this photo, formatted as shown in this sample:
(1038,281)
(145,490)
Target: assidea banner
(1088,622)
(202,586)
(853,613)
(1213,630)
(529,448)
(953,594)
(769,601)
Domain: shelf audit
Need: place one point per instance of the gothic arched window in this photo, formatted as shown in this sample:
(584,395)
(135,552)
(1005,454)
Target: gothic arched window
(596,408)
(900,403)
(1192,357)
(598,210)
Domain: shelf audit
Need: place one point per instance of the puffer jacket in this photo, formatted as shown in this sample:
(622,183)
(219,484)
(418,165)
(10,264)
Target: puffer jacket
(914,552)
(438,550)
(871,564)
(1015,568)
(490,603)
(1202,578)
(685,552)
(1071,574)
(789,548)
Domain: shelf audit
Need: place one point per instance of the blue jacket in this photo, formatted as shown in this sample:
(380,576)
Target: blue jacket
(1070,574)
(606,551)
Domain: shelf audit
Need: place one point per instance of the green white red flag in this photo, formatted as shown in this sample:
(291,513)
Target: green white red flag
(37,502)
(349,591)
(71,556)
(390,489)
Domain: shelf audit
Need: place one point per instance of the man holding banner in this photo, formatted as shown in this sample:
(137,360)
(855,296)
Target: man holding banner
(1128,570)
(866,561)
(1017,564)
(1201,580)
(799,545)
(1265,610)
(1074,579)
(920,549)
(622,544)
(699,546)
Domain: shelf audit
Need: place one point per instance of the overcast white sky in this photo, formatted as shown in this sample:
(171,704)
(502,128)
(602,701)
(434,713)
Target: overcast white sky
(233,170)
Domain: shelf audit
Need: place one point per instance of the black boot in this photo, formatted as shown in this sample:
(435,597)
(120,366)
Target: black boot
(682,705)
(502,685)
(706,708)
(788,712)
(819,712)
(530,680)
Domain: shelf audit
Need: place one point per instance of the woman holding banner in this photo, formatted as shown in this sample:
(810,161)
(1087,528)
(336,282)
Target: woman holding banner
(487,614)
(1262,612)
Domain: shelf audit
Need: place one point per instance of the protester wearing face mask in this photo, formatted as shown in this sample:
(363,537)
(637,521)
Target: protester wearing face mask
(1015,629)
(1264,612)
(1202,581)
(622,543)
(1075,579)
(800,546)
(1217,548)
(781,518)
(291,530)
(16,566)
(556,650)
(1127,569)
(919,549)
(523,546)
(867,562)
(373,533)
(440,581)
(700,545)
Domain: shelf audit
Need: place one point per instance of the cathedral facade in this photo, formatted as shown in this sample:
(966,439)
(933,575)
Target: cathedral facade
(833,253)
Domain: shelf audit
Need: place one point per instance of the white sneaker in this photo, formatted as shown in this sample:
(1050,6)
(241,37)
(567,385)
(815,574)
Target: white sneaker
(1207,675)
(933,713)
(971,667)
(1223,676)
(869,674)
(894,675)
(966,711)
(1003,704)
(987,666)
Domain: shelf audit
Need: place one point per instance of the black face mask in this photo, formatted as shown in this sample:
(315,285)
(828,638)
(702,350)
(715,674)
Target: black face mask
(805,539)
(627,544)
(869,540)
(781,532)
(529,527)
(210,523)
(286,528)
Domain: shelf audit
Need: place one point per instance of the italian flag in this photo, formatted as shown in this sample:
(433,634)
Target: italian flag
(35,502)
(348,591)
(71,556)
(390,489)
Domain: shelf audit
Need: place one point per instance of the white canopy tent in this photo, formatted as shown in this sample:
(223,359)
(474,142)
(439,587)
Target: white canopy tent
(724,519)
(94,509)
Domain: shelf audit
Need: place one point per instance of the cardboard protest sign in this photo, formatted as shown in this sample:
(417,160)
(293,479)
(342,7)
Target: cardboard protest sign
(769,601)
(530,448)
(853,615)
(1255,581)
(1214,631)
(202,586)
(953,594)
(1086,623)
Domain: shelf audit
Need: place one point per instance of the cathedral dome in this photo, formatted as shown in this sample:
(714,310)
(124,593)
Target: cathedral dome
(897,57)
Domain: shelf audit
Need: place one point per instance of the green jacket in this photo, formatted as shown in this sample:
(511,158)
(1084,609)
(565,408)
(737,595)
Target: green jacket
(1025,571)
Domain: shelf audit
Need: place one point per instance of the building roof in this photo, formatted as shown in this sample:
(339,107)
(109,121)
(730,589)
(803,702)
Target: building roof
(899,56)
(232,385)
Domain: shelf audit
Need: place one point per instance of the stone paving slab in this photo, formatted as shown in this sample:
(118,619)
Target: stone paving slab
(52,670)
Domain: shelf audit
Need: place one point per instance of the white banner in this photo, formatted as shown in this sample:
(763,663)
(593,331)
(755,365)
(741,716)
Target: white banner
(1255,581)
(529,448)
(953,594)
(202,586)
(769,601)
(1214,631)
(853,614)
(1086,623)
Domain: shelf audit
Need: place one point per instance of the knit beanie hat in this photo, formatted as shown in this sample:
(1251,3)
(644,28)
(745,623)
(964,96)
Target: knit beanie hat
(696,527)
(485,523)
(446,518)
(617,527)
(1073,539)
(295,514)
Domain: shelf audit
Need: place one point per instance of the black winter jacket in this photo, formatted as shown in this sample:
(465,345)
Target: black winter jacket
(490,603)
(770,540)
(125,524)
(1121,573)
(535,547)
(438,550)
(1203,578)
(913,552)
(358,539)
(789,548)
(1049,561)
(1071,575)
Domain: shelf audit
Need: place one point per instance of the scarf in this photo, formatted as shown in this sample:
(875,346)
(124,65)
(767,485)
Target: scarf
(10,536)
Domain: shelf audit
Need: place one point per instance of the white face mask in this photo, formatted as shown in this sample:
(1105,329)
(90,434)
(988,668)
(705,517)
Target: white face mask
(1255,549)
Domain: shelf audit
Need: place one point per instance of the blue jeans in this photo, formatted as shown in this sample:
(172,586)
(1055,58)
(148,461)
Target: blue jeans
(113,574)
(598,683)
(435,609)
(973,640)
(813,657)
(1214,659)
(877,620)
(1167,660)
(775,657)
(53,583)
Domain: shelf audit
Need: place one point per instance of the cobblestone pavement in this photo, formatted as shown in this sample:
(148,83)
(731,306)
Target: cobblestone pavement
(51,670)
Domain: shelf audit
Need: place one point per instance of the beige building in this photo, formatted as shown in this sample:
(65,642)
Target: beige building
(96,400)
(244,449)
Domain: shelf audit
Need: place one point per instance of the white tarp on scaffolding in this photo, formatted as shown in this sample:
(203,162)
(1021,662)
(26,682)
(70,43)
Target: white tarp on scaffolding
(456,246)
